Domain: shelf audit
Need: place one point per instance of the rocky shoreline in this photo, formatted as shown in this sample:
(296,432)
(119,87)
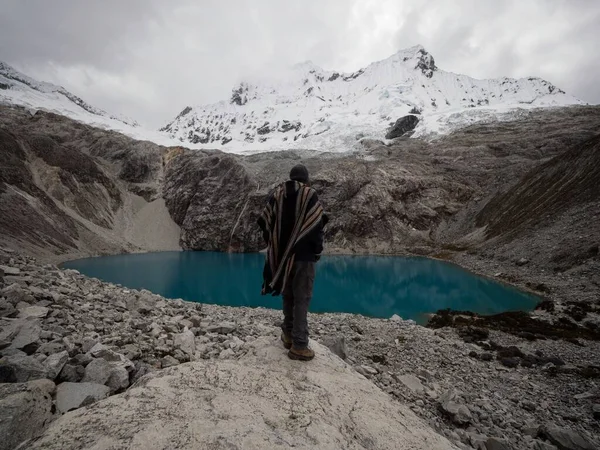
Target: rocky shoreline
(67,341)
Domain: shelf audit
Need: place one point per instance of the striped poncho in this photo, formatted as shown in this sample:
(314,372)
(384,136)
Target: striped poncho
(285,223)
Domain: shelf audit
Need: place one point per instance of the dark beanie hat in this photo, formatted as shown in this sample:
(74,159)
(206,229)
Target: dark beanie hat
(299,173)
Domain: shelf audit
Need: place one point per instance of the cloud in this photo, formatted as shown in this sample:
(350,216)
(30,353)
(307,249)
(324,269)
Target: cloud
(149,58)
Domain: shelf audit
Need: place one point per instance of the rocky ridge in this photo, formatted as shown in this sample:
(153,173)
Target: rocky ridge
(68,341)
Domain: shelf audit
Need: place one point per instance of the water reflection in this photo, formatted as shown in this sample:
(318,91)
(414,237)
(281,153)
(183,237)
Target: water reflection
(368,285)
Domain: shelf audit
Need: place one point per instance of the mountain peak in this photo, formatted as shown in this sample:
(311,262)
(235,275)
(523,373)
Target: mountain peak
(416,57)
(18,88)
(309,107)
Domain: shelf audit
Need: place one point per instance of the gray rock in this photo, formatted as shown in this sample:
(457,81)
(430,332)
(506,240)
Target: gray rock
(112,374)
(528,406)
(83,359)
(496,444)
(541,445)
(596,411)
(206,393)
(38,312)
(477,440)
(14,271)
(71,396)
(27,334)
(15,294)
(21,368)
(55,346)
(55,363)
(168,361)
(222,328)
(412,382)
(522,262)
(72,373)
(510,362)
(566,439)
(227,354)
(101,351)
(459,414)
(7,309)
(25,411)
(186,342)
(87,344)
(402,126)
(337,345)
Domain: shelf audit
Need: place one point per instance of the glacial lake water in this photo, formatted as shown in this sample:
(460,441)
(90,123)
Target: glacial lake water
(376,286)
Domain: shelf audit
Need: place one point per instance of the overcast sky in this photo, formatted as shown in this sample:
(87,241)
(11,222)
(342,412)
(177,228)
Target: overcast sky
(150,58)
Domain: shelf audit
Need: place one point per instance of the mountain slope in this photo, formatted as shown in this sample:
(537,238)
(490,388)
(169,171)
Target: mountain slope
(309,107)
(20,89)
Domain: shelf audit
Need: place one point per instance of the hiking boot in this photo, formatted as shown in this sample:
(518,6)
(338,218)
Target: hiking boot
(301,354)
(287,340)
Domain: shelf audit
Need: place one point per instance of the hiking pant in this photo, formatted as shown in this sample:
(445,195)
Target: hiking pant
(296,298)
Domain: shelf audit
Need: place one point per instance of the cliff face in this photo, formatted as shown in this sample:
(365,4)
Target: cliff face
(70,189)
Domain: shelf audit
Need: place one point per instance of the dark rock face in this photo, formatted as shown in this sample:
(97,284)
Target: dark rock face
(402,126)
(20,217)
(265,129)
(64,185)
(209,195)
(238,96)
(426,63)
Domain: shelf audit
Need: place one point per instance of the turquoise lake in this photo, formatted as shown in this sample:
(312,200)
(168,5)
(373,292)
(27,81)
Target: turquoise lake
(375,286)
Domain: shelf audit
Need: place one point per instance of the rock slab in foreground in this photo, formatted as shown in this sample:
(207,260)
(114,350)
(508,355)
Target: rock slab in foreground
(75,395)
(25,409)
(264,400)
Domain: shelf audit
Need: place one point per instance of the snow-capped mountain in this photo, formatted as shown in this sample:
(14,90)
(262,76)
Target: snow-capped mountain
(17,88)
(309,107)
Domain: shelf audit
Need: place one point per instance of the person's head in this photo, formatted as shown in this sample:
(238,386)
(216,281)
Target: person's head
(299,173)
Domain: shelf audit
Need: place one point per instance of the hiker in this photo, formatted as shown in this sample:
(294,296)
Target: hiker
(292,225)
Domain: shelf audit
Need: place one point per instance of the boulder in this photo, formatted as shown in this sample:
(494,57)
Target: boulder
(412,382)
(12,271)
(222,328)
(103,352)
(25,411)
(38,312)
(7,309)
(21,368)
(402,126)
(15,294)
(24,334)
(186,342)
(459,414)
(596,411)
(168,361)
(55,363)
(337,345)
(71,396)
(112,374)
(72,373)
(566,439)
(227,404)
(496,444)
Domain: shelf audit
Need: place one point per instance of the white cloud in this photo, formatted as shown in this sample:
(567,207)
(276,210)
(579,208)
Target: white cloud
(149,58)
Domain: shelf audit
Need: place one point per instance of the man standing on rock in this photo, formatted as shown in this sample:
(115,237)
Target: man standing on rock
(292,225)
